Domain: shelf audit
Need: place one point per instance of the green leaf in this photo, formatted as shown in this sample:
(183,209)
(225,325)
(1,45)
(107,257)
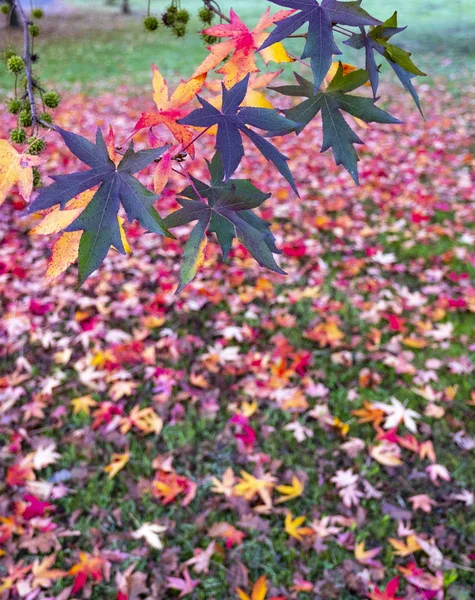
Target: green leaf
(337,134)
(228,214)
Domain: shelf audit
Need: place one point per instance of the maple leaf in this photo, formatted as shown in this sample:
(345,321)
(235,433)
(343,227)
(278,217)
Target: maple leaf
(21,472)
(150,533)
(259,590)
(89,565)
(185,585)
(387,593)
(98,220)
(65,249)
(16,168)
(397,413)
(168,486)
(386,454)
(242,46)
(422,502)
(83,404)
(255,95)
(233,120)
(320,45)
(117,463)
(292,527)
(337,134)
(44,456)
(366,557)
(225,486)
(228,214)
(249,486)
(290,492)
(232,535)
(376,40)
(405,549)
(201,558)
(171,109)
(43,574)
(145,419)
(369,414)
(437,472)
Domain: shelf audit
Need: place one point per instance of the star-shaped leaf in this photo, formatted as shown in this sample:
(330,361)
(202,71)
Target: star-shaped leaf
(233,120)
(98,220)
(242,45)
(337,134)
(227,213)
(320,16)
(376,40)
(169,110)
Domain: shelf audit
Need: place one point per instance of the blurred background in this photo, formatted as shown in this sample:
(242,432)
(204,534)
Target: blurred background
(92,46)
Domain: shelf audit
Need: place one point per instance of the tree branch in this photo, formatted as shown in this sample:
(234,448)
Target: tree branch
(214,6)
(28,69)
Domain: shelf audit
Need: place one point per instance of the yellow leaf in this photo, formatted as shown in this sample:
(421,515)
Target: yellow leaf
(66,249)
(259,589)
(83,404)
(249,486)
(57,220)
(292,527)
(364,556)
(405,549)
(290,491)
(65,252)
(117,464)
(242,595)
(276,53)
(416,343)
(16,168)
(386,454)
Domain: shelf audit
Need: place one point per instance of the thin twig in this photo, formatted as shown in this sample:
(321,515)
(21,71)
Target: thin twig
(28,70)
(214,6)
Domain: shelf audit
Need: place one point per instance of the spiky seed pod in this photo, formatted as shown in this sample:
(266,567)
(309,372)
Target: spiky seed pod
(18,135)
(169,17)
(37,13)
(183,16)
(151,23)
(25,119)
(5,9)
(36,145)
(209,39)
(15,64)
(179,30)
(206,15)
(47,118)
(34,30)
(36,177)
(14,106)
(52,99)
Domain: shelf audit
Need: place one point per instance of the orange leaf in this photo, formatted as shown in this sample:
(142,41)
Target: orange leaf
(162,173)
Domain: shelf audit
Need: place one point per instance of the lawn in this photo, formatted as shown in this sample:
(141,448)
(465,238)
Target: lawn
(96,49)
(315,430)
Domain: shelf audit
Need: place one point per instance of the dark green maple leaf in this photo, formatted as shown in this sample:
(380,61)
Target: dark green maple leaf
(337,134)
(376,39)
(99,221)
(227,213)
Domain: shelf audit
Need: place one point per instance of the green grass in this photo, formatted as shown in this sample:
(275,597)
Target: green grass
(92,47)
